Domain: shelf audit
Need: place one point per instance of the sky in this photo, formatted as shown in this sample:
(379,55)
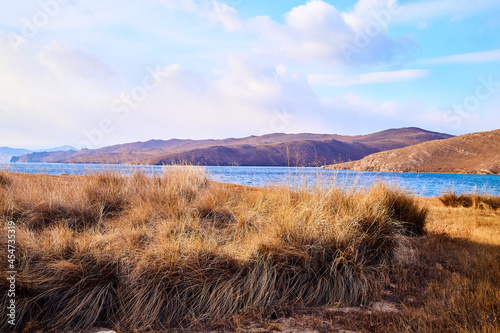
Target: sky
(97,73)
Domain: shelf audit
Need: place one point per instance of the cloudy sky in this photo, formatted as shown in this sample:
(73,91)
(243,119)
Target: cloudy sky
(95,73)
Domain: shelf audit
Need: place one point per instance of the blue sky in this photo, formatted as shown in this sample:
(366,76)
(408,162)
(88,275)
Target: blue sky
(92,73)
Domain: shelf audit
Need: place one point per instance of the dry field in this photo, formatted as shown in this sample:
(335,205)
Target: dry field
(177,252)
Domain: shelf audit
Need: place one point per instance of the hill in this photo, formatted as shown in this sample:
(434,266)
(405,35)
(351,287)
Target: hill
(302,153)
(476,153)
(6,153)
(277,149)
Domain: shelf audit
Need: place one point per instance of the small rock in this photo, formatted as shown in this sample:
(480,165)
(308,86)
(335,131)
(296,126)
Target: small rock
(384,307)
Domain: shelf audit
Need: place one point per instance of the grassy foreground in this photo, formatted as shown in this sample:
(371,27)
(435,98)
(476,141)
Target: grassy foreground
(178,251)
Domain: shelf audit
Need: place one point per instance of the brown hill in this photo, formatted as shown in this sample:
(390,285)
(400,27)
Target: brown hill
(472,153)
(302,153)
(268,150)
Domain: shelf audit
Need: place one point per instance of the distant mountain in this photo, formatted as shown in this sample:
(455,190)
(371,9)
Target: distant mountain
(6,153)
(62,148)
(477,153)
(277,149)
(295,153)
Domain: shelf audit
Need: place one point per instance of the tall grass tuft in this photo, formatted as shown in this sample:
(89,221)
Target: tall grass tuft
(5,180)
(176,250)
(470,201)
(403,208)
(107,194)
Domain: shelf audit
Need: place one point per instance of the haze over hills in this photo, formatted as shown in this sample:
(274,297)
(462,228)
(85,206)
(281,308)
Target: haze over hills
(6,153)
(268,150)
(476,153)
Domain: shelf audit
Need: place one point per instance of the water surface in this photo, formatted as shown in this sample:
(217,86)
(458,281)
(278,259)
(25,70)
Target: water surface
(423,184)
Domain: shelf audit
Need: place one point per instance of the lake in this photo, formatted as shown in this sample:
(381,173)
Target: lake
(423,184)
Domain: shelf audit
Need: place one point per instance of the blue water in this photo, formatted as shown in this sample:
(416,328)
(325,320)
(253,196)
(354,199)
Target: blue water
(423,184)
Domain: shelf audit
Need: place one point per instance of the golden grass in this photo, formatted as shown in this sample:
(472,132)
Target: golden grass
(476,225)
(471,200)
(455,287)
(153,253)
(451,285)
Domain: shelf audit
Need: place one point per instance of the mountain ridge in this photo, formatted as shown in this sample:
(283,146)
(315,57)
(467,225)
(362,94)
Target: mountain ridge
(475,153)
(276,149)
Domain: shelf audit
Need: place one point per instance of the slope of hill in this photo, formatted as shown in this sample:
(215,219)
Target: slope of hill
(477,153)
(306,152)
(268,150)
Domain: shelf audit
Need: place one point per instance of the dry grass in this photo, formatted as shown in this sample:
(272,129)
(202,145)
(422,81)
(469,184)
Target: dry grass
(455,286)
(470,200)
(153,253)
(451,285)
(5,180)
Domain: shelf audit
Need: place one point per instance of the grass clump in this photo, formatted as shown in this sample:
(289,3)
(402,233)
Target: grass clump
(476,201)
(176,251)
(107,194)
(403,208)
(5,180)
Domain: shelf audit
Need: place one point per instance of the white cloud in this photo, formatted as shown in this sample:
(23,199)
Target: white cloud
(65,80)
(241,99)
(368,78)
(37,106)
(317,31)
(61,94)
(380,11)
(475,57)
(63,60)
(224,14)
